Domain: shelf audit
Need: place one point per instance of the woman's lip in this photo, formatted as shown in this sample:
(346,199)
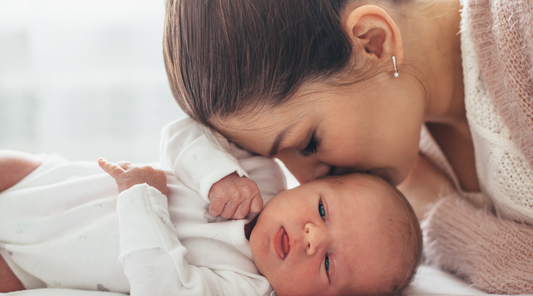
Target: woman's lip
(281,243)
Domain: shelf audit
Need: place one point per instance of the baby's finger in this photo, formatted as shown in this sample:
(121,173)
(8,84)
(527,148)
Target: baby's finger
(124,164)
(102,162)
(229,209)
(257,204)
(216,207)
(242,210)
(110,168)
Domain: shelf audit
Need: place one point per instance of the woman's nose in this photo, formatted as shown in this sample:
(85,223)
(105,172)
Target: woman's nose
(321,170)
(316,238)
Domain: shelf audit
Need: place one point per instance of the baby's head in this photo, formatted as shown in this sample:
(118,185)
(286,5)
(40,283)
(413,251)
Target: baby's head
(346,235)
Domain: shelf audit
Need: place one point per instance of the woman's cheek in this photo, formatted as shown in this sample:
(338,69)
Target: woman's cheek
(304,169)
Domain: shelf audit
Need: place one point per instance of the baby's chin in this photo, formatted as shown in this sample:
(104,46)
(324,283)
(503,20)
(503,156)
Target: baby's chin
(255,240)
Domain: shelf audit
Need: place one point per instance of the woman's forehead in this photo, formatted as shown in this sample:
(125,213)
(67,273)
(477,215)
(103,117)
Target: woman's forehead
(309,99)
(266,124)
(293,107)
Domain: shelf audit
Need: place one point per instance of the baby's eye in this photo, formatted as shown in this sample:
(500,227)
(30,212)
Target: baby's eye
(327,264)
(322,211)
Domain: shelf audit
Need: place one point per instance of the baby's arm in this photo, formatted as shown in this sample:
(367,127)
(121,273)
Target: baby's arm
(127,175)
(424,185)
(154,258)
(200,159)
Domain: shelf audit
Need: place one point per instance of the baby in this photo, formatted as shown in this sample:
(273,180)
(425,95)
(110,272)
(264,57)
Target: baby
(64,226)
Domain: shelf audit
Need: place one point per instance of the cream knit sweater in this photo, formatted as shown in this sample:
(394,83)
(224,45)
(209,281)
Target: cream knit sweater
(491,243)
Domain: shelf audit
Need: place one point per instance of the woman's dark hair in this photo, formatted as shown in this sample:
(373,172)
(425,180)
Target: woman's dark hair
(223,56)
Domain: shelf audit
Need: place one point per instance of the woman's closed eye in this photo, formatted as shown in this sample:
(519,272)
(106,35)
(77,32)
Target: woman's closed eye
(311,147)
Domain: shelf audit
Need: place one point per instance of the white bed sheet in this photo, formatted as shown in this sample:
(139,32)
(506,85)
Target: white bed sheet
(433,281)
(428,281)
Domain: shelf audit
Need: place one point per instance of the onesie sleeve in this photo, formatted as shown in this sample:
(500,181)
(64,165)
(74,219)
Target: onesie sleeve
(154,258)
(494,254)
(198,156)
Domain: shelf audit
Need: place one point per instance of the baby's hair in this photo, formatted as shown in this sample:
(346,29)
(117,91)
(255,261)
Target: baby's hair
(224,57)
(406,230)
(413,241)
(409,232)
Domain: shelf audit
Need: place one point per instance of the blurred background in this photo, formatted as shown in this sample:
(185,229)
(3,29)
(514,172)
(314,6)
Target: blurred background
(84,79)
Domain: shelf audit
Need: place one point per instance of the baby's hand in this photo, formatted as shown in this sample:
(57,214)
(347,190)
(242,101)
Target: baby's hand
(234,196)
(127,175)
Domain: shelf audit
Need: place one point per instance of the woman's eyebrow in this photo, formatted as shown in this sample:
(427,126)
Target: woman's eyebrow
(279,138)
(282,135)
(275,145)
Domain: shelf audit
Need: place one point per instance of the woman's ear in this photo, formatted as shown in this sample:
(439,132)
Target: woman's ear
(373,28)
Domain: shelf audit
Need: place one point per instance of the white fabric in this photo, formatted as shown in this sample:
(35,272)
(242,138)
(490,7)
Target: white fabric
(59,228)
(187,144)
(429,280)
(60,292)
(505,177)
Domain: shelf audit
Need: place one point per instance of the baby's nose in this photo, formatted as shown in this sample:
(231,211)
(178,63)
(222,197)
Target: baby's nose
(316,237)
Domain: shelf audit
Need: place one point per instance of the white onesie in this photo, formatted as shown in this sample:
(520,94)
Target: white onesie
(65,226)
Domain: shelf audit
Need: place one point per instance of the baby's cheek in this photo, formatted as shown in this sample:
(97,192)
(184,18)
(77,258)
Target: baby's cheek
(293,284)
(260,252)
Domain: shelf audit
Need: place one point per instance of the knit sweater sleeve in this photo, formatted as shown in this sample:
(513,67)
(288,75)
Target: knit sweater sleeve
(494,254)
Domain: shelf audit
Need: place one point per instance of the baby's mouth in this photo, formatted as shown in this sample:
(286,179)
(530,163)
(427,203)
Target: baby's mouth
(281,243)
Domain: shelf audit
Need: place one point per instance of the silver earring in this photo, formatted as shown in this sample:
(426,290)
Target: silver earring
(396,72)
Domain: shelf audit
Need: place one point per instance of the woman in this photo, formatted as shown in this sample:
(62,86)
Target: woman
(337,86)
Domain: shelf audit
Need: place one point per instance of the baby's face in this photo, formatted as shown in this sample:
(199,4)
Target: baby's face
(329,237)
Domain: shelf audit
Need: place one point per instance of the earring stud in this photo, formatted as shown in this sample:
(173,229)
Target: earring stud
(396,72)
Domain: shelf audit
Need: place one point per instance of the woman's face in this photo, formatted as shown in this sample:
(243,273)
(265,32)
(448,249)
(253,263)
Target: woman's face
(373,126)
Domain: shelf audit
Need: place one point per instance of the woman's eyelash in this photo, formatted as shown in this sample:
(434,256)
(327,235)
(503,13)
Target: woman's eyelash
(311,147)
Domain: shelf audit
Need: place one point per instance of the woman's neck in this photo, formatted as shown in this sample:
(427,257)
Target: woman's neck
(432,54)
